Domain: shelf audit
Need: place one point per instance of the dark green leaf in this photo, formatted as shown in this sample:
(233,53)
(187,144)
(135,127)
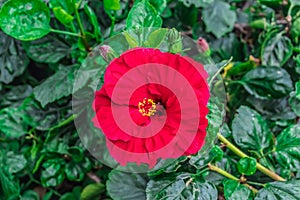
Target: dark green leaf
(250,130)
(14,163)
(179,189)
(48,49)
(15,96)
(143,14)
(233,190)
(9,188)
(267,82)
(93,18)
(92,191)
(13,60)
(218,18)
(276,50)
(53,172)
(25,19)
(30,195)
(126,186)
(58,85)
(197,3)
(280,190)
(74,172)
(247,166)
(294,103)
(287,150)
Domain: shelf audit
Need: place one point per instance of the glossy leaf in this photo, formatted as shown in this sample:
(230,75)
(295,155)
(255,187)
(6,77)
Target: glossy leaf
(250,131)
(92,191)
(112,4)
(53,172)
(25,19)
(280,190)
(48,49)
(287,150)
(218,18)
(132,186)
(156,38)
(13,60)
(15,163)
(62,16)
(143,14)
(247,166)
(233,190)
(58,85)
(276,50)
(66,5)
(267,82)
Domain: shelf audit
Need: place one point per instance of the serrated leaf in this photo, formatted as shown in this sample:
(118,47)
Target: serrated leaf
(267,82)
(92,191)
(218,18)
(250,131)
(276,50)
(280,190)
(126,186)
(179,189)
(48,49)
(287,149)
(13,60)
(247,166)
(143,14)
(58,85)
(233,190)
(25,19)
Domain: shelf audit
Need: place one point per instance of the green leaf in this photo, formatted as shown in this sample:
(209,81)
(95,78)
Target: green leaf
(62,16)
(233,190)
(156,38)
(131,186)
(112,4)
(218,18)
(25,19)
(74,172)
(58,85)
(13,60)
(94,21)
(295,29)
(287,149)
(294,103)
(9,188)
(143,14)
(48,49)
(247,166)
(180,189)
(250,131)
(30,195)
(267,82)
(159,5)
(67,5)
(130,39)
(276,50)
(15,163)
(53,172)
(197,3)
(280,190)
(92,191)
(11,123)
(15,96)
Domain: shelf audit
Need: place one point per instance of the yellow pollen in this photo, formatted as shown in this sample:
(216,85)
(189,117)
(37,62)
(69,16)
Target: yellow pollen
(147,107)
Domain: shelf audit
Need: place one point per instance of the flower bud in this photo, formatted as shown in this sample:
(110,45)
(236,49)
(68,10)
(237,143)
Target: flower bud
(204,47)
(175,42)
(107,53)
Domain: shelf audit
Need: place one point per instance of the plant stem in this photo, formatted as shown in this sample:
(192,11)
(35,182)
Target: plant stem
(65,32)
(230,176)
(82,32)
(219,71)
(238,152)
(113,21)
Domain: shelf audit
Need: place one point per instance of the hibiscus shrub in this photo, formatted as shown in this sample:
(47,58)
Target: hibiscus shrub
(255,45)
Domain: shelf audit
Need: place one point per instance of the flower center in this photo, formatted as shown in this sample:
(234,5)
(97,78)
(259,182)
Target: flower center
(147,107)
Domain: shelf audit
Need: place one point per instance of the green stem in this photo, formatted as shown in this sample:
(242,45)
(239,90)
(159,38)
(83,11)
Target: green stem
(238,152)
(230,176)
(113,21)
(65,32)
(82,32)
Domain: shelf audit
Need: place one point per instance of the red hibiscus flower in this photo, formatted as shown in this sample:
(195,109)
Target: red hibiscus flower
(152,105)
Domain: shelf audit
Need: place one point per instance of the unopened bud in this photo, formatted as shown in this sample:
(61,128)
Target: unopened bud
(204,47)
(175,41)
(107,53)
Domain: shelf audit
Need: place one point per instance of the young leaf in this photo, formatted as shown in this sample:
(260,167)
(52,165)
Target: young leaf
(233,190)
(13,60)
(131,186)
(287,150)
(250,131)
(156,38)
(62,16)
(92,191)
(112,4)
(247,166)
(58,85)
(179,189)
(25,19)
(48,49)
(267,82)
(218,18)
(280,190)
(276,50)
(143,14)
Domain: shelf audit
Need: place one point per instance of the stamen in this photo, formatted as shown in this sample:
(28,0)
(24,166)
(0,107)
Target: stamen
(147,107)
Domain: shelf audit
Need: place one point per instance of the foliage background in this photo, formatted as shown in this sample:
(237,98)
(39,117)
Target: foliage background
(43,46)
